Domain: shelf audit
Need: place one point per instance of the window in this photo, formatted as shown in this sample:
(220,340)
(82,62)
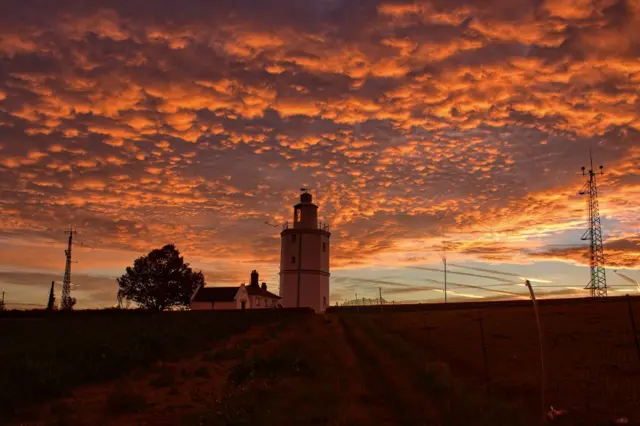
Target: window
(293,238)
(257,301)
(324,247)
(293,259)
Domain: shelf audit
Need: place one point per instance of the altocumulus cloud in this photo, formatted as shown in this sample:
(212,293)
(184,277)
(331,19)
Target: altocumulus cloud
(196,122)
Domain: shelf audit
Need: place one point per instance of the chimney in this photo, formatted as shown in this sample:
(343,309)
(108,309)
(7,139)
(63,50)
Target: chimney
(254,279)
(264,286)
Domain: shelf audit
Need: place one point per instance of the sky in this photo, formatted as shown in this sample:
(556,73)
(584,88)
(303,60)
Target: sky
(196,122)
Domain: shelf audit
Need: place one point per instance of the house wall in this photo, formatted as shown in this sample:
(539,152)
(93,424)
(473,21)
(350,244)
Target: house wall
(219,306)
(201,306)
(242,296)
(215,306)
(259,302)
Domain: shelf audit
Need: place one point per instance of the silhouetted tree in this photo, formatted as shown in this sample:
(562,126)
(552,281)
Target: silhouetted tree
(51,305)
(159,280)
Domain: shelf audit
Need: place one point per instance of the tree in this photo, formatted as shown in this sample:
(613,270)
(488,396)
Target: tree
(159,280)
(51,305)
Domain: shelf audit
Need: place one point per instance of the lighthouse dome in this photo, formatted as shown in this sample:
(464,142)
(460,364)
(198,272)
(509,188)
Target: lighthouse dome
(306,198)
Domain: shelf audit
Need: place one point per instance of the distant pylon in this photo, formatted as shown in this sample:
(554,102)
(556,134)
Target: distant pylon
(66,301)
(598,283)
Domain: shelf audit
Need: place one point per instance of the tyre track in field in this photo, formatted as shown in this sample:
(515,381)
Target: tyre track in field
(388,382)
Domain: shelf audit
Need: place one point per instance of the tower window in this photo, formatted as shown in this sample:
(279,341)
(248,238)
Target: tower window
(293,259)
(324,247)
(293,238)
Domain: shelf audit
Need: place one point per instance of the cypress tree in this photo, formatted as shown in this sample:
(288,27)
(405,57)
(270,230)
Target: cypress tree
(52,298)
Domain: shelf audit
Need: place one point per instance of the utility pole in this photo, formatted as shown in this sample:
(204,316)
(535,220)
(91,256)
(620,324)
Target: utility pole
(66,301)
(443,256)
(598,283)
(380,291)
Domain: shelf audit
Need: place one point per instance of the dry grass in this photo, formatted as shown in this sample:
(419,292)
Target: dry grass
(392,368)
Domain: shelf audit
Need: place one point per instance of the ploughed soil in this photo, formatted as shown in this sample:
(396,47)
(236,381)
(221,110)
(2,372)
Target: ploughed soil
(475,366)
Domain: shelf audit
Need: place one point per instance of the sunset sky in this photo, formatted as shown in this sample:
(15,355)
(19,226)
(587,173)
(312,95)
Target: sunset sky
(142,123)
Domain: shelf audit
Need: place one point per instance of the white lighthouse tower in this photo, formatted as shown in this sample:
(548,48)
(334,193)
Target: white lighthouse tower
(304,258)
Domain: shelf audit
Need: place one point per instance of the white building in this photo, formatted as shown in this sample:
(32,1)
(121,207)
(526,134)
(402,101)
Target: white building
(253,296)
(304,259)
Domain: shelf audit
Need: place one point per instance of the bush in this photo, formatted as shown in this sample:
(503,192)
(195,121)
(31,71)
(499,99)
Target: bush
(202,372)
(269,368)
(163,379)
(53,352)
(124,400)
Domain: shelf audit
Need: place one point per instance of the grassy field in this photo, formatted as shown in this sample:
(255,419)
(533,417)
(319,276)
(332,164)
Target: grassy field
(401,366)
(44,355)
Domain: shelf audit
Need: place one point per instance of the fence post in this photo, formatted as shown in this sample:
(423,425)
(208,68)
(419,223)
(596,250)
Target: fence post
(543,373)
(633,326)
(484,350)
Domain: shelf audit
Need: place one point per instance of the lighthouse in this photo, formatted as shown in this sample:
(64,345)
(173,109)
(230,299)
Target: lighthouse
(304,258)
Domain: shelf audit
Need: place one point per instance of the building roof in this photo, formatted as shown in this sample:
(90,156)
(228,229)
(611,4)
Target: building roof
(215,294)
(253,291)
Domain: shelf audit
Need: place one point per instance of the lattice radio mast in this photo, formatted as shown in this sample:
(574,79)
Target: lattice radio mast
(598,283)
(66,301)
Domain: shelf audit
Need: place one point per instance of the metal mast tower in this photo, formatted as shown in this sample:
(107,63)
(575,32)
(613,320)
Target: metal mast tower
(598,283)
(66,301)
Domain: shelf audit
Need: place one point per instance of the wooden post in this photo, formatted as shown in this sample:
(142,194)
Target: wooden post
(484,350)
(445,280)
(633,326)
(543,381)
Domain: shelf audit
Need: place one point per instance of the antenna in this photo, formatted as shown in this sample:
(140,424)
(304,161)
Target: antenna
(443,256)
(66,300)
(598,283)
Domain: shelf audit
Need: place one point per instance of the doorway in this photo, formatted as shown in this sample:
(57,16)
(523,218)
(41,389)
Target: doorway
(243,304)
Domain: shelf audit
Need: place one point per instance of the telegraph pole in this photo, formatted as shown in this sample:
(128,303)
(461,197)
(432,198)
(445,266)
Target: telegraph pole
(443,256)
(598,283)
